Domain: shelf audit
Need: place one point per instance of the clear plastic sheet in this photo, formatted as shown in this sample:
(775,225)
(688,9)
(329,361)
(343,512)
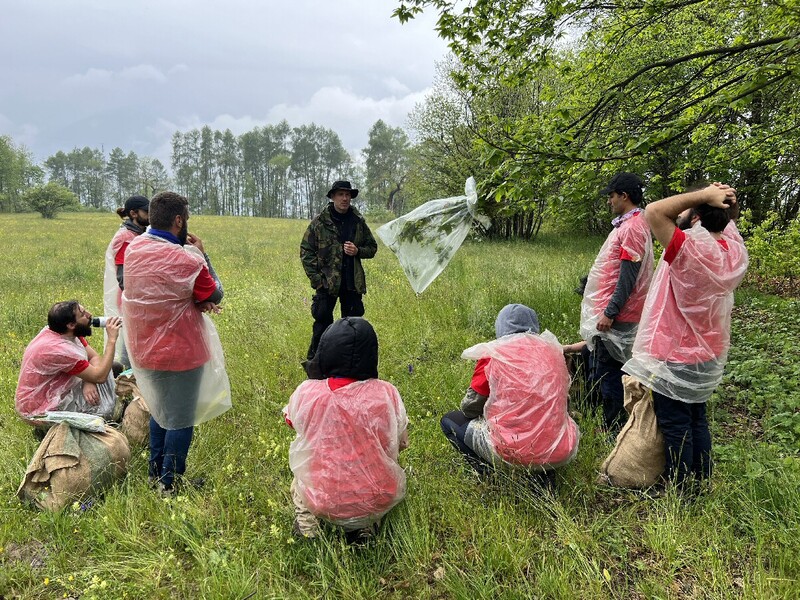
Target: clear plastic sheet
(525,420)
(634,238)
(174,348)
(344,457)
(684,335)
(425,239)
(77,420)
(112,294)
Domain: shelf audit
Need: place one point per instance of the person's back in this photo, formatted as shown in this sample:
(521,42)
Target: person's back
(527,406)
(347,446)
(351,427)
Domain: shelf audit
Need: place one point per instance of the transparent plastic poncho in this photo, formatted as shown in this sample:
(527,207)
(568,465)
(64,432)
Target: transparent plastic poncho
(45,383)
(174,348)
(425,239)
(684,335)
(525,417)
(632,238)
(112,294)
(344,457)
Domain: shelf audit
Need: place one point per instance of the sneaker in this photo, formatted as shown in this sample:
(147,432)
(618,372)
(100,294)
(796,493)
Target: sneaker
(166,491)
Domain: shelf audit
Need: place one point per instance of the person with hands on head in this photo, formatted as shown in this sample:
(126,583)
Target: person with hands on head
(62,372)
(682,344)
(174,349)
(333,246)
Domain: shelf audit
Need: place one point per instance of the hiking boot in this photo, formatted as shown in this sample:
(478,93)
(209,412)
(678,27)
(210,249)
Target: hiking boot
(166,491)
(361,537)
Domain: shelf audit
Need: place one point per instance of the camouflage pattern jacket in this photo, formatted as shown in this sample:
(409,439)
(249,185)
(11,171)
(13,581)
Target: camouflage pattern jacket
(322,252)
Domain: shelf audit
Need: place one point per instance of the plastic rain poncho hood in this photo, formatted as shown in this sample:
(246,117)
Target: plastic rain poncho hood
(344,457)
(631,239)
(526,411)
(684,335)
(165,331)
(425,239)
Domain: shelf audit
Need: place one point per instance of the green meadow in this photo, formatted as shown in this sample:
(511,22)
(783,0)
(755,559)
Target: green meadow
(454,536)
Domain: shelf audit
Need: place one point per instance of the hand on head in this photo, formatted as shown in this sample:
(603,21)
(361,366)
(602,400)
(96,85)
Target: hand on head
(723,195)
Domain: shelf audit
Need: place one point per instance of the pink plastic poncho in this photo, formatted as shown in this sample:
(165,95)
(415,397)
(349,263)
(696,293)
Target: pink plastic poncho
(344,457)
(43,378)
(112,295)
(165,331)
(684,335)
(631,241)
(525,420)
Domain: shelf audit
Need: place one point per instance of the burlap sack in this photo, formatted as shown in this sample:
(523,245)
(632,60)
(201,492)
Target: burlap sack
(71,464)
(136,422)
(637,460)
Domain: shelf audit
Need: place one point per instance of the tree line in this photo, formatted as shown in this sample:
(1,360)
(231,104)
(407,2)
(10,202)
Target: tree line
(270,171)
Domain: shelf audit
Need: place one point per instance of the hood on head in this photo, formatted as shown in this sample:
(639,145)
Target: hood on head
(516,318)
(348,348)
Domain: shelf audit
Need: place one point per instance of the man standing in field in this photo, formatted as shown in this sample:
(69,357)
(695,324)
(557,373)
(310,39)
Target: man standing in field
(682,344)
(174,349)
(332,248)
(615,291)
(61,371)
(136,219)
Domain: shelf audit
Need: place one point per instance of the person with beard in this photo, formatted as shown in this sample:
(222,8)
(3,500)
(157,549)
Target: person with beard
(682,344)
(169,283)
(331,251)
(62,372)
(136,219)
(614,294)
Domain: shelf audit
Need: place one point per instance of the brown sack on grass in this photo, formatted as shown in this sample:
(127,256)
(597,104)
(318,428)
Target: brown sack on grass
(71,464)
(126,386)
(136,422)
(637,460)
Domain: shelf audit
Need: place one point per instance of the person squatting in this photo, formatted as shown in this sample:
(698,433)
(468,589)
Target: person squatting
(669,328)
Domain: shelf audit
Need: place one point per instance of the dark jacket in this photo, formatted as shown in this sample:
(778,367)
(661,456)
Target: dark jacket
(322,253)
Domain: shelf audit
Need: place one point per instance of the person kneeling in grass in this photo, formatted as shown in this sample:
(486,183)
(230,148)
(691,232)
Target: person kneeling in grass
(350,429)
(514,413)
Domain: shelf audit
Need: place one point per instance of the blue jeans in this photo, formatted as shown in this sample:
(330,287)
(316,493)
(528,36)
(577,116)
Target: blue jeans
(687,439)
(168,451)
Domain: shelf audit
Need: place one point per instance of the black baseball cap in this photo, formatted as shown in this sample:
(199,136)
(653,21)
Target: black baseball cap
(136,203)
(624,182)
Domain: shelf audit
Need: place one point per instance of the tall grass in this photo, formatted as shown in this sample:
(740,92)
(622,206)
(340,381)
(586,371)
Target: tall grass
(454,536)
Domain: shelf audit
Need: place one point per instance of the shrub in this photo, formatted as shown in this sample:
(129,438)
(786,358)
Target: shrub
(49,199)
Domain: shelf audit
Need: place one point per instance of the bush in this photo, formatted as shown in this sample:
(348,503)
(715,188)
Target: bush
(49,199)
(774,259)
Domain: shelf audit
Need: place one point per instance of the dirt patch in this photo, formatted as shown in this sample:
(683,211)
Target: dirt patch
(32,553)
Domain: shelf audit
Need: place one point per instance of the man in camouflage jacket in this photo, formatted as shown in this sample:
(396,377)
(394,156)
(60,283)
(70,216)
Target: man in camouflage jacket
(331,251)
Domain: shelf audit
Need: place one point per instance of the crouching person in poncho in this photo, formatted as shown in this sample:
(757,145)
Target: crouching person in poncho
(350,429)
(514,413)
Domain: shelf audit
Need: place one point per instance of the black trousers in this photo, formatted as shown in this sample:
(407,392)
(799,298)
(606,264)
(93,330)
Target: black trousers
(322,306)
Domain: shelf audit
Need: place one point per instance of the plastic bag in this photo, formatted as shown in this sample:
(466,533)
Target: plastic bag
(425,239)
(344,457)
(525,420)
(174,348)
(77,420)
(684,336)
(632,239)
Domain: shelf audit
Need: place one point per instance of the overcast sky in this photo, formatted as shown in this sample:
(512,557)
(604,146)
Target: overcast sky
(106,73)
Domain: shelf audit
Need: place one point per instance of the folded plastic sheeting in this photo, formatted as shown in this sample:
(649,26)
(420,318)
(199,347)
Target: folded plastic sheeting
(425,239)
(344,458)
(525,420)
